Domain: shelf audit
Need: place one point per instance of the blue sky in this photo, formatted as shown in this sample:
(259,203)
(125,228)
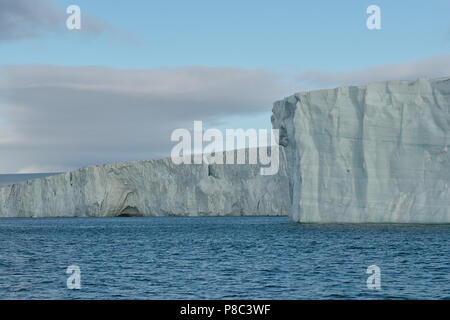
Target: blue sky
(280,35)
(139,69)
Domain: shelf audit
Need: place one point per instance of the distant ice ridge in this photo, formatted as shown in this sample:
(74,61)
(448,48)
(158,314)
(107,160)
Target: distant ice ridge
(151,188)
(6,179)
(378,153)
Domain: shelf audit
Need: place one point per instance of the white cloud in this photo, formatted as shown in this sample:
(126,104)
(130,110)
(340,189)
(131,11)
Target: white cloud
(65,117)
(432,67)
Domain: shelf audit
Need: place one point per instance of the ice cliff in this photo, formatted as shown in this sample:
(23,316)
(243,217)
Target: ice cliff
(378,153)
(150,188)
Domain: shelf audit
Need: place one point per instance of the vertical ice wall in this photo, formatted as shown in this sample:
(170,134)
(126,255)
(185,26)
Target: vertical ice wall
(150,188)
(368,154)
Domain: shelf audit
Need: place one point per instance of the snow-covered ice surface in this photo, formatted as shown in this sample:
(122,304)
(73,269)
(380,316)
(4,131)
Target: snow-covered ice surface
(378,153)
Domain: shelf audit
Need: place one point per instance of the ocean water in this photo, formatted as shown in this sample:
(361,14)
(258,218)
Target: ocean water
(220,258)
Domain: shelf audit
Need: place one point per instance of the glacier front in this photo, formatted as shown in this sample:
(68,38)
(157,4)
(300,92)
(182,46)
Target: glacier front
(378,153)
(151,188)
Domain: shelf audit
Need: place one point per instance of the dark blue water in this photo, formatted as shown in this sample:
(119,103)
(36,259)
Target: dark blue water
(220,258)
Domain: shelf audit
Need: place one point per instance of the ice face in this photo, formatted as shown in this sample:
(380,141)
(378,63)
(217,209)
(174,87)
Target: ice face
(150,188)
(368,154)
(352,154)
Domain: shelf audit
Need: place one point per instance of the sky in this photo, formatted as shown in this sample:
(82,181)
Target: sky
(136,70)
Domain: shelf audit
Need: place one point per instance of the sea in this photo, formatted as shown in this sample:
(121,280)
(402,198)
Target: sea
(220,258)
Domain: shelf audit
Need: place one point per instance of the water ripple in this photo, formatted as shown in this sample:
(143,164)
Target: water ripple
(220,258)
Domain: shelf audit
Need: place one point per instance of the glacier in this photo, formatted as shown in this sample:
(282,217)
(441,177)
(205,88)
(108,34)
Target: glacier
(151,188)
(368,154)
(355,154)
